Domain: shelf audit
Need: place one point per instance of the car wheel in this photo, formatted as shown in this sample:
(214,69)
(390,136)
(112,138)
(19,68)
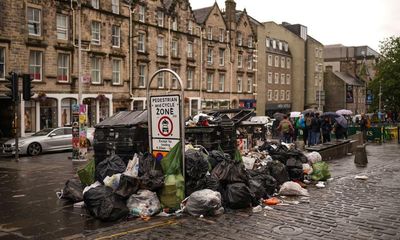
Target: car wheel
(34,149)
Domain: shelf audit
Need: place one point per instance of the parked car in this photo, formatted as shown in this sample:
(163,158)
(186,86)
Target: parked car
(46,140)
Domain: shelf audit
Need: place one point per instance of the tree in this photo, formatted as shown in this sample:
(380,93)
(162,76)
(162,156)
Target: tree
(388,76)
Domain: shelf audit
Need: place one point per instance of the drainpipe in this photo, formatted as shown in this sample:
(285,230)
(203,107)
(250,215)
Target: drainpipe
(131,12)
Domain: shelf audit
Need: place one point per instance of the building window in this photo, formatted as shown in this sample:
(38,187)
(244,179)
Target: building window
(287,79)
(142,13)
(316,80)
(141,42)
(190,27)
(269,95)
(189,84)
(96,4)
(96,70)
(160,80)
(63,67)
(209,56)
(267,42)
(250,41)
(270,77)
(282,62)
(239,84)
(276,95)
(96,33)
(209,33)
(35,65)
(316,52)
(250,62)
(221,83)
(174,79)
(221,35)
(283,81)
(34,21)
(160,46)
(288,63)
(62,27)
(174,48)
(222,57)
(282,94)
(210,78)
(240,60)
(142,75)
(116,35)
(269,60)
(274,44)
(249,84)
(190,50)
(276,61)
(115,6)
(174,24)
(280,46)
(239,39)
(316,67)
(116,71)
(286,47)
(276,78)
(2,62)
(288,95)
(160,19)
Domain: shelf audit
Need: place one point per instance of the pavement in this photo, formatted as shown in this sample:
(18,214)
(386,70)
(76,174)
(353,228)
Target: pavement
(346,209)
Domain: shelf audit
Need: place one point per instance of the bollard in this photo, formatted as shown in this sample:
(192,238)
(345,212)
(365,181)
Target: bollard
(360,158)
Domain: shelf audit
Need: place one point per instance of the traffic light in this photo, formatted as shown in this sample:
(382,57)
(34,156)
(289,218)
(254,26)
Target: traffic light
(13,86)
(26,87)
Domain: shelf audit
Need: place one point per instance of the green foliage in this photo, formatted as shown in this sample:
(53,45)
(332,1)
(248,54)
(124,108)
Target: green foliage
(388,76)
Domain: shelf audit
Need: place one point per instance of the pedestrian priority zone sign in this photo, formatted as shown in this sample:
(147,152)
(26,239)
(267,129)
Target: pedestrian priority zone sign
(165,122)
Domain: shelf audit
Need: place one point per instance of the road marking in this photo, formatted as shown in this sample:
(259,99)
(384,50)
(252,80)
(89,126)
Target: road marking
(169,222)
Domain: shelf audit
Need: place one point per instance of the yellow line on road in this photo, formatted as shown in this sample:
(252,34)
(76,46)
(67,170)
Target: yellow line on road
(169,222)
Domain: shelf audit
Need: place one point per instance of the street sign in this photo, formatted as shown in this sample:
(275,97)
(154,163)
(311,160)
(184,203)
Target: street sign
(165,121)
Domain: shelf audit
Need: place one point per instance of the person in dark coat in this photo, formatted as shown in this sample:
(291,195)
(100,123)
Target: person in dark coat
(315,129)
(326,127)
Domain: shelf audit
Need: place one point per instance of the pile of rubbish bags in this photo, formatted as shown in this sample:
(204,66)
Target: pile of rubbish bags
(214,181)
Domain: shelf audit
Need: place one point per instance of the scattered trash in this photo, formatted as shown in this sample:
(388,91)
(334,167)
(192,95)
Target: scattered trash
(72,190)
(18,196)
(143,204)
(109,166)
(292,189)
(133,167)
(79,204)
(237,195)
(257,209)
(248,162)
(272,201)
(87,173)
(320,184)
(112,181)
(307,169)
(127,186)
(361,177)
(306,181)
(93,185)
(313,157)
(268,208)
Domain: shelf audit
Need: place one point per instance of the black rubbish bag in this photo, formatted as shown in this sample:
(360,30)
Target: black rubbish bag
(296,174)
(294,163)
(152,180)
(109,166)
(262,185)
(103,204)
(237,196)
(127,186)
(208,182)
(228,172)
(215,157)
(72,190)
(270,185)
(257,187)
(278,171)
(147,163)
(196,164)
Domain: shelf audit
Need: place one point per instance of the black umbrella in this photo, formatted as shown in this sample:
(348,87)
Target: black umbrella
(330,114)
(279,116)
(310,110)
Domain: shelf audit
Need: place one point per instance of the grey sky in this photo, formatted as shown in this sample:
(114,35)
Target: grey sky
(350,22)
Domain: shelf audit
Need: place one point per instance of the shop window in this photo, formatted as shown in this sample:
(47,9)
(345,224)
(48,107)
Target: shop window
(66,111)
(30,116)
(48,113)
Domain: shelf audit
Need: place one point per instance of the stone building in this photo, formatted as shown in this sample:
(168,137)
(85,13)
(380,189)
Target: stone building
(211,50)
(41,37)
(355,68)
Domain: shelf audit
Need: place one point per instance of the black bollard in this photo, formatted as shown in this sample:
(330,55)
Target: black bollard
(360,158)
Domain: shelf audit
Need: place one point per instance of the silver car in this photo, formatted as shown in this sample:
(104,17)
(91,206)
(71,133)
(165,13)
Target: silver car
(46,140)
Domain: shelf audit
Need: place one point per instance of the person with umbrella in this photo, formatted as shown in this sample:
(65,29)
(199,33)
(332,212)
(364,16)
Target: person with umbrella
(364,125)
(315,129)
(326,127)
(286,129)
(340,127)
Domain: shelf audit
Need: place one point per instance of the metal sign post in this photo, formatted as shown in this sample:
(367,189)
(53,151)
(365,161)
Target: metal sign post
(166,119)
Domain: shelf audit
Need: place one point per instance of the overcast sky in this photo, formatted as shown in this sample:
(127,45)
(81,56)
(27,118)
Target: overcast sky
(349,22)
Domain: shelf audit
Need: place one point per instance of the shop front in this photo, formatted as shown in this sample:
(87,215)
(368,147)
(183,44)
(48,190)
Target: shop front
(247,103)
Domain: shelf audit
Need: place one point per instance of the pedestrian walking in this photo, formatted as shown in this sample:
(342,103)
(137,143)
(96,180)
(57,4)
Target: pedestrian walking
(308,121)
(364,125)
(315,129)
(326,128)
(286,129)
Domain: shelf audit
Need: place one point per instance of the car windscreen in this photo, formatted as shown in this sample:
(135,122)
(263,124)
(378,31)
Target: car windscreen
(43,132)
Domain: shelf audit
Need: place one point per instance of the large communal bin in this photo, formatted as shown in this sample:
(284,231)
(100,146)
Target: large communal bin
(123,134)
